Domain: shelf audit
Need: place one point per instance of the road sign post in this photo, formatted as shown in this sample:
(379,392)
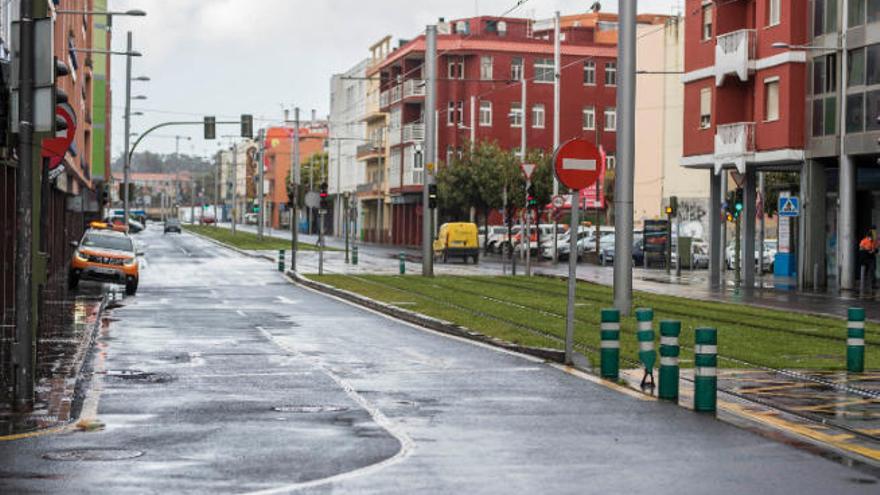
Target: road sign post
(577,164)
(528,169)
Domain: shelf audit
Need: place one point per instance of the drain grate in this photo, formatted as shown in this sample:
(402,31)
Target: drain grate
(309,409)
(92,455)
(139,376)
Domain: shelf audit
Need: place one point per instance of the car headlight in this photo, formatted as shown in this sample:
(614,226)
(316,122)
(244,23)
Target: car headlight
(131,261)
(79,255)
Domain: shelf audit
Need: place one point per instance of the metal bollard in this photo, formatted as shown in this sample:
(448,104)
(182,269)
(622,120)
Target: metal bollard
(280,260)
(705,369)
(669,351)
(609,355)
(645,334)
(855,340)
(402,258)
(354,255)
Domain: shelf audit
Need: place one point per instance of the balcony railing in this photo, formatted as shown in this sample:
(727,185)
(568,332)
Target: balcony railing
(413,133)
(384,99)
(413,87)
(396,93)
(734,144)
(735,54)
(414,177)
(369,187)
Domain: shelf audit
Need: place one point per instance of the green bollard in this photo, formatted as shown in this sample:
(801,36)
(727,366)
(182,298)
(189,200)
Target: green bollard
(669,350)
(280,260)
(705,369)
(402,258)
(855,340)
(354,255)
(645,334)
(610,344)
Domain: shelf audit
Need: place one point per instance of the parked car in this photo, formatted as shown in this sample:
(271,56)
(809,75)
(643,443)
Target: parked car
(118,224)
(207,220)
(457,239)
(105,255)
(494,235)
(172,224)
(769,254)
(251,218)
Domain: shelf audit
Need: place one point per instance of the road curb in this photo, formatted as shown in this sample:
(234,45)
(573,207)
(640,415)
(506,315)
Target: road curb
(419,319)
(244,252)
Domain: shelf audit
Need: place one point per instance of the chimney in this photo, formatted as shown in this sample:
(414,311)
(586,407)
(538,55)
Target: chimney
(314,118)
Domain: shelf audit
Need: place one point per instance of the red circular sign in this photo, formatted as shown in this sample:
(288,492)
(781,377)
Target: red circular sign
(577,163)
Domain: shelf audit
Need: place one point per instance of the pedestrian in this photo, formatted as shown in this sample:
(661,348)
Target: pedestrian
(867,258)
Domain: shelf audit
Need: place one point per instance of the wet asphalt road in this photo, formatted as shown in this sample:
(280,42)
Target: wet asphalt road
(257,385)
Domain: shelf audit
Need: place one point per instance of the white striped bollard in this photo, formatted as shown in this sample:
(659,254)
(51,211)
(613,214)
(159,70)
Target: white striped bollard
(609,354)
(669,351)
(855,340)
(705,369)
(645,334)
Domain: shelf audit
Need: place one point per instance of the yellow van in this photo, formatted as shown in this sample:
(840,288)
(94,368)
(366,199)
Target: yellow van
(457,239)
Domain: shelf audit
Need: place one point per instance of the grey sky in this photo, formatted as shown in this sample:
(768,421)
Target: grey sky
(227,57)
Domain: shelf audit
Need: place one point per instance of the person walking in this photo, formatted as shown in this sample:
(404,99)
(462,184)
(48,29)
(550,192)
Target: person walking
(867,258)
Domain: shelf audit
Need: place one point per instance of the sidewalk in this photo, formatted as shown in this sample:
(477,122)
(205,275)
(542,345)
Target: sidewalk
(68,327)
(690,285)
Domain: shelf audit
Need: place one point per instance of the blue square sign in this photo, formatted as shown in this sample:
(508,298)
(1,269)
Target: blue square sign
(789,206)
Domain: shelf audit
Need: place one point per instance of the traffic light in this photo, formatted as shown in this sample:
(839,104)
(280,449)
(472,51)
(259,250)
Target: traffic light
(672,207)
(323,194)
(105,194)
(247,126)
(738,201)
(729,217)
(291,194)
(432,196)
(210,128)
(531,200)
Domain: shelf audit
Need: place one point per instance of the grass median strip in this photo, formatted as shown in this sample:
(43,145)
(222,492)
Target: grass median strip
(520,310)
(247,240)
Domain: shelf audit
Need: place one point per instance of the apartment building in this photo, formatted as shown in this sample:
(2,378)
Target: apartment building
(348,92)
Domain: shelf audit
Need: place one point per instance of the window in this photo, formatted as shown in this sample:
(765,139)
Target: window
(589,115)
(872,110)
(707,21)
(450,113)
(516,68)
(856,15)
(825,74)
(830,115)
(818,117)
(543,70)
(610,119)
(486,113)
(590,73)
(455,68)
(610,73)
(855,112)
(705,108)
(516,114)
(873,10)
(538,116)
(872,65)
(856,69)
(486,68)
(771,99)
(773,7)
(824,17)
(610,161)
(450,154)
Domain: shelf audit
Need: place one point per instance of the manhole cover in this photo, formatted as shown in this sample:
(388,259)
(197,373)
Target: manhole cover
(139,376)
(309,409)
(92,455)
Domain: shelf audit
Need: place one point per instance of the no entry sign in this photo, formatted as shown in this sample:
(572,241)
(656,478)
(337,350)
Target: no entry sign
(577,163)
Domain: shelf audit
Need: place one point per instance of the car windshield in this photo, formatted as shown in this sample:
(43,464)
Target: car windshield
(114,242)
(172,221)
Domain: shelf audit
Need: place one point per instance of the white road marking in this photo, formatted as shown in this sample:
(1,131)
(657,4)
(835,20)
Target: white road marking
(406,443)
(242,313)
(284,300)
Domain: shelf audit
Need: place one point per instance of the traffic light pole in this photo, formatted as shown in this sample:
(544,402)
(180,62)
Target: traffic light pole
(430,144)
(234,184)
(527,237)
(126,169)
(295,177)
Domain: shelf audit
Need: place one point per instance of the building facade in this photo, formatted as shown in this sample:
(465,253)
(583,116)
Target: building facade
(233,170)
(348,105)
(480,64)
(102,101)
(278,157)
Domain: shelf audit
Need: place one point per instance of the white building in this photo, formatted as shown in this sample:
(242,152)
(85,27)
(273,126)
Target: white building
(240,164)
(347,106)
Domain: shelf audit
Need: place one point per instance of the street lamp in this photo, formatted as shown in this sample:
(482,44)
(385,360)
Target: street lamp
(846,234)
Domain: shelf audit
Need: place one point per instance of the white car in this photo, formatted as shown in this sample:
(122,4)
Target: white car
(770,249)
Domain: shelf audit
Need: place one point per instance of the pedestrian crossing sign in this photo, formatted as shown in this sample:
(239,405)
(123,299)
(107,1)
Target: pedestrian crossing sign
(789,206)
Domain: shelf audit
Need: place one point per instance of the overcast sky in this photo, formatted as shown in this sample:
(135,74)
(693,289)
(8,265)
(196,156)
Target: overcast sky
(228,57)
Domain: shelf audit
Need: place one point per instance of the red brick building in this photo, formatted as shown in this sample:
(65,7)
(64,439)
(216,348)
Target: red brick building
(480,61)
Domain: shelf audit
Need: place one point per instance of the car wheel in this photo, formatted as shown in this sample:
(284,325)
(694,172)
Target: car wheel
(131,287)
(72,280)
(602,260)
(464,258)
(445,256)
(476,259)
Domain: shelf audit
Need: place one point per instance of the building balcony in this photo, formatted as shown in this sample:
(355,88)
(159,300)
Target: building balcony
(414,177)
(369,188)
(369,151)
(413,88)
(735,55)
(413,133)
(734,145)
(396,94)
(385,99)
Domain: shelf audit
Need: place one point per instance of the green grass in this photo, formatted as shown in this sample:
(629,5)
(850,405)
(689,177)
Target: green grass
(246,240)
(497,306)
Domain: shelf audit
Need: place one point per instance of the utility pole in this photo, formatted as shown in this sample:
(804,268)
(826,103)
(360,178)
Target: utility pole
(28,211)
(430,144)
(527,234)
(557,82)
(126,170)
(234,184)
(217,180)
(192,200)
(295,177)
(623,190)
(259,156)
(761,230)
(846,225)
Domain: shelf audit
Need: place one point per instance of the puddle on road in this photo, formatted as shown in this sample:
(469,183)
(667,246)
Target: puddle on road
(92,455)
(309,409)
(139,376)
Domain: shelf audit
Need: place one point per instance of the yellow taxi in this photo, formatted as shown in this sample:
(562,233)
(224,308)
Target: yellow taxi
(105,255)
(457,239)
